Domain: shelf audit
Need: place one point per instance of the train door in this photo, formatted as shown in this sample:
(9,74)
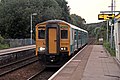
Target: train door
(52,39)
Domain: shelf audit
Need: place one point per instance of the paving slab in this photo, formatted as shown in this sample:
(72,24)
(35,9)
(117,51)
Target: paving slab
(101,66)
(93,63)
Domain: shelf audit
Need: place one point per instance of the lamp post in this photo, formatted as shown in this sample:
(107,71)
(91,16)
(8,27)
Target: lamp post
(31,25)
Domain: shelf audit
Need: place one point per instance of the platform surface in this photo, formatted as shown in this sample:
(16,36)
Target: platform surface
(16,49)
(98,66)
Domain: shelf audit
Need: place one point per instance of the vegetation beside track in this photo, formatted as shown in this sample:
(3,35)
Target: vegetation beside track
(108,48)
(2,44)
(100,33)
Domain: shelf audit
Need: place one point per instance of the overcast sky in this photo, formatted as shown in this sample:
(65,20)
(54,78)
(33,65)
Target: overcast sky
(89,9)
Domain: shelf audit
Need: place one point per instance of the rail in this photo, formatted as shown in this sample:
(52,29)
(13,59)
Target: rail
(5,69)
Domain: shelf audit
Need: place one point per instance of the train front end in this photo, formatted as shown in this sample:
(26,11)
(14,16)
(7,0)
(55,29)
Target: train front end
(53,43)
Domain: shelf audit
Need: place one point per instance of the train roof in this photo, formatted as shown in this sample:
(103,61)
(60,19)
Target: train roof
(72,26)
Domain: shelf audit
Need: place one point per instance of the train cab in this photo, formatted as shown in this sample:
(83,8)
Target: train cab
(56,41)
(52,42)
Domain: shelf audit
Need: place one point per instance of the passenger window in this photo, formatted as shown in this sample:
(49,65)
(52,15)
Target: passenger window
(75,36)
(41,34)
(64,34)
(79,35)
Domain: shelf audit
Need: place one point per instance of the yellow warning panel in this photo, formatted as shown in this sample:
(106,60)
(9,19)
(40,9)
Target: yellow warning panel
(105,16)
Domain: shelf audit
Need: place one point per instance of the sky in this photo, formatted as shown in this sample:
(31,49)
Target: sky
(89,9)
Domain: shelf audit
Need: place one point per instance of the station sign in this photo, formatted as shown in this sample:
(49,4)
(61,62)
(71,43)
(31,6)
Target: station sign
(117,16)
(105,16)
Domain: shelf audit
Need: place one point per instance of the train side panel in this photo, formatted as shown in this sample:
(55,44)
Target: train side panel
(77,40)
(72,47)
(73,40)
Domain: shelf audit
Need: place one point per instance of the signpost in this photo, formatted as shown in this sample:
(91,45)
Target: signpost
(111,18)
(105,16)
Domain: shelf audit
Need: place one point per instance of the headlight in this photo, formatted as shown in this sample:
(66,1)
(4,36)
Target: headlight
(63,48)
(41,49)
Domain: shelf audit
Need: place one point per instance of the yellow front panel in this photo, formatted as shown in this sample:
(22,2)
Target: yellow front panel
(65,42)
(52,41)
(39,42)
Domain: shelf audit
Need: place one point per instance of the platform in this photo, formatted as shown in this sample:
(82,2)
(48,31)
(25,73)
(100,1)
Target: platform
(17,49)
(95,64)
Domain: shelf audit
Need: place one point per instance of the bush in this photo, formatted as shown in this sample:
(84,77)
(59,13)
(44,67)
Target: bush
(1,39)
(2,45)
(109,49)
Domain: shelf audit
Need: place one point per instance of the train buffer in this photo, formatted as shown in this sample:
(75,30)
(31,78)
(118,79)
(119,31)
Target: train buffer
(92,63)
(17,49)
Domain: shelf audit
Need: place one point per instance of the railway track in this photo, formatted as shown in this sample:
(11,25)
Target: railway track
(44,74)
(92,41)
(6,69)
(36,74)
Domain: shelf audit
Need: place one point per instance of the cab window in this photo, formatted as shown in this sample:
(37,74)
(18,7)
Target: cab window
(41,34)
(64,34)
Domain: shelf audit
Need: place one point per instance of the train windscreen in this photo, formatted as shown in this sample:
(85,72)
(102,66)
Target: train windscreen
(41,34)
(64,34)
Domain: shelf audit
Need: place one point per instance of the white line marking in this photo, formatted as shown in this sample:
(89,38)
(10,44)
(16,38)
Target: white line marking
(76,60)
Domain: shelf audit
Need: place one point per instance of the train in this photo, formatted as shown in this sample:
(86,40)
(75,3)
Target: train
(57,41)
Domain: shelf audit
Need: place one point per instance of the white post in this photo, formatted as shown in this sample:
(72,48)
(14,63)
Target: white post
(112,25)
(107,29)
(111,36)
(31,25)
(31,29)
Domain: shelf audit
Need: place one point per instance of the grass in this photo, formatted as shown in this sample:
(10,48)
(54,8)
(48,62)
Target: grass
(110,50)
(4,46)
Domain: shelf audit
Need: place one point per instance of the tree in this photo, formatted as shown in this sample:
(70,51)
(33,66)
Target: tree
(15,15)
(14,18)
(100,32)
(78,21)
(65,10)
(51,10)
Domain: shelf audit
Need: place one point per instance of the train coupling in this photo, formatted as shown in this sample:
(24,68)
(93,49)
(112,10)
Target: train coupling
(52,58)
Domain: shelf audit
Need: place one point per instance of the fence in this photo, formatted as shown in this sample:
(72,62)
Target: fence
(18,42)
